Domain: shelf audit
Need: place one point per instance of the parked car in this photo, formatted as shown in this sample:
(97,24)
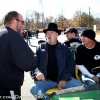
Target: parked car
(80,29)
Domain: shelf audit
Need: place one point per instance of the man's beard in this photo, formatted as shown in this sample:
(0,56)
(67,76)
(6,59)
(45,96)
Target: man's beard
(50,41)
(19,30)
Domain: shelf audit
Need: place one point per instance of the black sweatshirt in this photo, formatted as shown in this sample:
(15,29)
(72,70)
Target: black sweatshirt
(15,58)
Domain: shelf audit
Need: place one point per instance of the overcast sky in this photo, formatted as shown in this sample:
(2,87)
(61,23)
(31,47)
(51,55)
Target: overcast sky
(51,7)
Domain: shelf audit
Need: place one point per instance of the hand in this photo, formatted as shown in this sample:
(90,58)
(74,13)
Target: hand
(96,79)
(40,76)
(61,84)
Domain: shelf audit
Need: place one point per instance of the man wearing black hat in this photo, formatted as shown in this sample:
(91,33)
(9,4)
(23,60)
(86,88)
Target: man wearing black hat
(72,41)
(88,57)
(55,64)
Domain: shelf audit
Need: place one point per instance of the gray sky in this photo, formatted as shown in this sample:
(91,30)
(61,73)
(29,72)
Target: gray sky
(51,7)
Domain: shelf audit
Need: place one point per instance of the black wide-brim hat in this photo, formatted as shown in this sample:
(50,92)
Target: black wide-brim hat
(52,27)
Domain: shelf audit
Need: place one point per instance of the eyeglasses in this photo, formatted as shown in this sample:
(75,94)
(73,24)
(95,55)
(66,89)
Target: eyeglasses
(20,21)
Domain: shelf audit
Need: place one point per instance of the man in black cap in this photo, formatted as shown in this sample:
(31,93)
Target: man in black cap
(88,57)
(72,41)
(55,64)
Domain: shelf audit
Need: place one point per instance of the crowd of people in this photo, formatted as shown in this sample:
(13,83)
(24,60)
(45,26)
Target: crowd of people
(27,35)
(52,65)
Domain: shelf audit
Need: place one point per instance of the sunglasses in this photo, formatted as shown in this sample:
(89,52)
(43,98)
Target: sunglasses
(20,21)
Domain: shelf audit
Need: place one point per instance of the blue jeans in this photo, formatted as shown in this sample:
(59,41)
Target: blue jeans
(86,80)
(47,84)
(37,36)
(28,40)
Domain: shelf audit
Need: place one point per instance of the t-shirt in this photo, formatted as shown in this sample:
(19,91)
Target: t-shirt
(90,58)
(52,68)
(73,43)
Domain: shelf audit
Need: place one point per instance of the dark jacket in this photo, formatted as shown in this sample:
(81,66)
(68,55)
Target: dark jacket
(15,58)
(64,57)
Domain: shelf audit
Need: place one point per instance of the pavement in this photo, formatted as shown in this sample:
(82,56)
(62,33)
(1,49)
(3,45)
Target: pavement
(25,89)
(26,95)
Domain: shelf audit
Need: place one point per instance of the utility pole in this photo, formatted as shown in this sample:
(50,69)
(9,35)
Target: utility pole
(62,18)
(89,18)
(41,11)
(80,21)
